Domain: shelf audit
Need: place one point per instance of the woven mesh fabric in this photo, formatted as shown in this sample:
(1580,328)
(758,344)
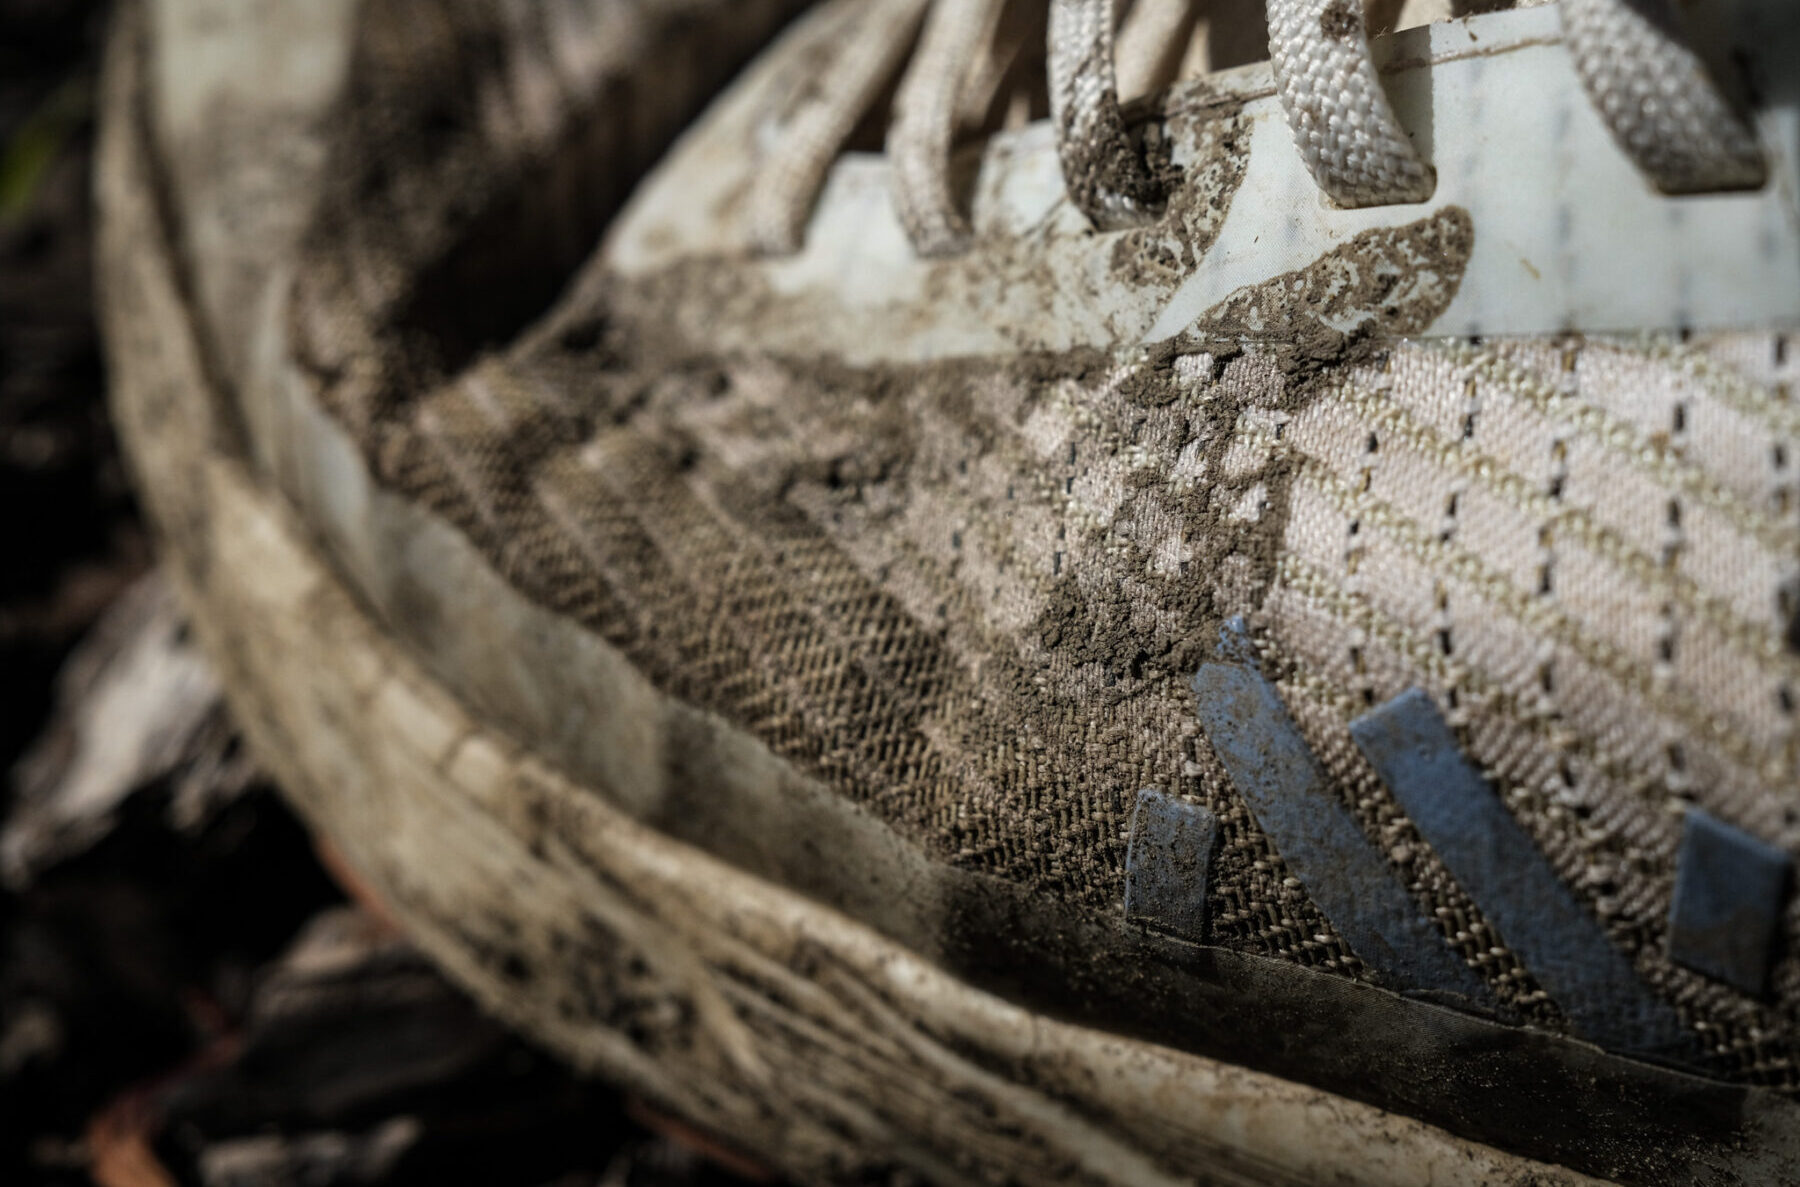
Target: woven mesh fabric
(971,599)
(1583,548)
(970,596)
(1656,94)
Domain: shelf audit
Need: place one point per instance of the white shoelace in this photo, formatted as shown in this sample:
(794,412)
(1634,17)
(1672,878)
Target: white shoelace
(1657,98)
(1653,92)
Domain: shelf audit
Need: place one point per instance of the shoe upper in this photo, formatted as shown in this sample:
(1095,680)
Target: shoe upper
(1325,602)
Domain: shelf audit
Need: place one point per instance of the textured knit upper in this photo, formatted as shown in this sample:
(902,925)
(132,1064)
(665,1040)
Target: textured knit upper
(971,596)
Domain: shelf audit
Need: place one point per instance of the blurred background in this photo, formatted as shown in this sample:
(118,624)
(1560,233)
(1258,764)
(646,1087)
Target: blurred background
(186,994)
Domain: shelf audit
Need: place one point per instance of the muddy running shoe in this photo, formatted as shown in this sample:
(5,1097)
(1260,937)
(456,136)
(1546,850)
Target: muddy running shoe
(1205,600)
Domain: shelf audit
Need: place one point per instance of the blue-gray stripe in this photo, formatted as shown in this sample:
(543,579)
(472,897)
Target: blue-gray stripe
(1497,864)
(1347,876)
(1167,864)
(1730,890)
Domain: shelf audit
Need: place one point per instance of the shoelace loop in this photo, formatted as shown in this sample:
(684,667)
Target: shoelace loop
(1655,95)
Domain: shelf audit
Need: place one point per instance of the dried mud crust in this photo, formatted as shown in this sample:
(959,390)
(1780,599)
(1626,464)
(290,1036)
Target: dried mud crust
(1108,172)
(777,1022)
(1090,973)
(669,408)
(813,529)
(1197,197)
(1382,284)
(1340,20)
